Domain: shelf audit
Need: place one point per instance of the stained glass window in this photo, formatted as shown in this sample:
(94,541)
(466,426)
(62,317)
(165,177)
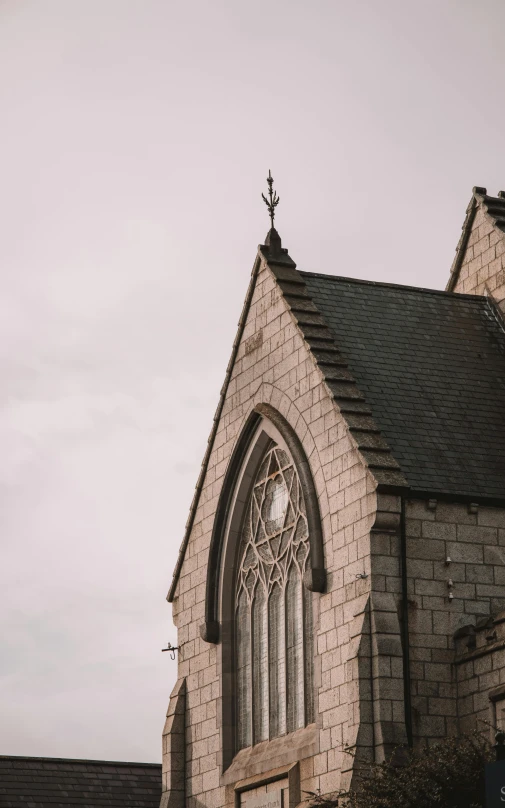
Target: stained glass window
(273,610)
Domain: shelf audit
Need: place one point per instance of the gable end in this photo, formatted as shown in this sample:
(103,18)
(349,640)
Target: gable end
(479,264)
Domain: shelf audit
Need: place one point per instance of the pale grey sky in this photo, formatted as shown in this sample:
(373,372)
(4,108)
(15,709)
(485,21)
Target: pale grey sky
(136,137)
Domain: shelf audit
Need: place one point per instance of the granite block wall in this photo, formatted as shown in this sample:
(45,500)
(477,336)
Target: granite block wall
(456,579)
(274,366)
(483,269)
(455,576)
(480,675)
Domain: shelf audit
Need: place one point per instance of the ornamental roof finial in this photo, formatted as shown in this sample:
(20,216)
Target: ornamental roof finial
(273,199)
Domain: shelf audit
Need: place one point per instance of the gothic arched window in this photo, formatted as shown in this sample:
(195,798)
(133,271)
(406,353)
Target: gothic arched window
(273,609)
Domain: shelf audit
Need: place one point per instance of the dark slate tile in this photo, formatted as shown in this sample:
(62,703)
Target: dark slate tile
(56,783)
(431,365)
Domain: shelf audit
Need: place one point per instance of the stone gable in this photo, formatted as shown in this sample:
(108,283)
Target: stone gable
(273,366)
(479,265)
(408,644)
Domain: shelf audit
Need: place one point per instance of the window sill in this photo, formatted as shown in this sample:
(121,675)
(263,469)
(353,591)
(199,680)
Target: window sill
(269,755)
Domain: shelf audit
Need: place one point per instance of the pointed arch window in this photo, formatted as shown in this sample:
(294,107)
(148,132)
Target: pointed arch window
(273,609)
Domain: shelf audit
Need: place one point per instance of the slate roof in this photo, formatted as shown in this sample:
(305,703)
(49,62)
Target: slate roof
(32,782)
(431,365)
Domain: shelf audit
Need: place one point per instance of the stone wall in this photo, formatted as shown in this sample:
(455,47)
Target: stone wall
(453,549)
(174,753)
(273,366)
(465,545)
(483,268)
(480,675)
(358,650)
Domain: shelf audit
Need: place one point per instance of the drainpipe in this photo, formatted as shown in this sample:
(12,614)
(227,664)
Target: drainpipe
(372,697)
(407,695)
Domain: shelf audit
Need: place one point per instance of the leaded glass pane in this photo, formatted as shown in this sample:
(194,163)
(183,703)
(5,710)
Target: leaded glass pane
(294,607)
(274,611)
(260,665)
(244,672)
(262,473)
(277,662)
(309,658)
(277,500)
(282,457)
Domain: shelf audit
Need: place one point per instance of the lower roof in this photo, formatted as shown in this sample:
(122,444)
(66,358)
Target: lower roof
(432,367)
(61,782)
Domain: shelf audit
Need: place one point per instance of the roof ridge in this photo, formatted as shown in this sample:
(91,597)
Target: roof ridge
(80,760)
(422,289)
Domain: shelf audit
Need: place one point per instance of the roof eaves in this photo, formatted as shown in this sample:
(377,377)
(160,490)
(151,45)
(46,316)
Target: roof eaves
(81,761)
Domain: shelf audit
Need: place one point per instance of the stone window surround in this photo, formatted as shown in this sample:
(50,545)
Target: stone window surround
(291,773)
(287,749)
(315,574)
(273,609)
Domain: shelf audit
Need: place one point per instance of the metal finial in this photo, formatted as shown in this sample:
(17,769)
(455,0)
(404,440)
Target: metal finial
(273,200)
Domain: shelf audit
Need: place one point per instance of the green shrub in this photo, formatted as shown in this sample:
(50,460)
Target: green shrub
(449,774)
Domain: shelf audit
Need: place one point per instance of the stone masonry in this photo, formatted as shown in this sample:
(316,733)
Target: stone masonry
(479,266)
(281,372)
(373,693)
(452,549)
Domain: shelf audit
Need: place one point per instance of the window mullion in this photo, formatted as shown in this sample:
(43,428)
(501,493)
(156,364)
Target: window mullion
(253,693)
(267,665)
(286,656)
(305,658)
(304,653)
(282,649)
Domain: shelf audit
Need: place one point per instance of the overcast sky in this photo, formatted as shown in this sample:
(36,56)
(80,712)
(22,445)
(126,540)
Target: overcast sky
(136,136)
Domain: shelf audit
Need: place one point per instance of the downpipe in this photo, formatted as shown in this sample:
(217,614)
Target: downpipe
(407,693)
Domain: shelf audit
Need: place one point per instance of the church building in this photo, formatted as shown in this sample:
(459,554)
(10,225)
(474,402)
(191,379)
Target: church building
(340,588)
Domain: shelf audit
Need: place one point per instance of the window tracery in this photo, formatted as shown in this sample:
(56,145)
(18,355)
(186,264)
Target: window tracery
(273,610)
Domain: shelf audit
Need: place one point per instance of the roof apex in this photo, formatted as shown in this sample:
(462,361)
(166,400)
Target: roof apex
(272,250)
(494,210)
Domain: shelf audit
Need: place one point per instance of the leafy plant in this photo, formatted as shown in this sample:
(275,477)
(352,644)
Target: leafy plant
(448,774)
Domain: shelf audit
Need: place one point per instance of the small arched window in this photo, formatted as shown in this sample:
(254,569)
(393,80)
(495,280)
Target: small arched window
(273,609)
